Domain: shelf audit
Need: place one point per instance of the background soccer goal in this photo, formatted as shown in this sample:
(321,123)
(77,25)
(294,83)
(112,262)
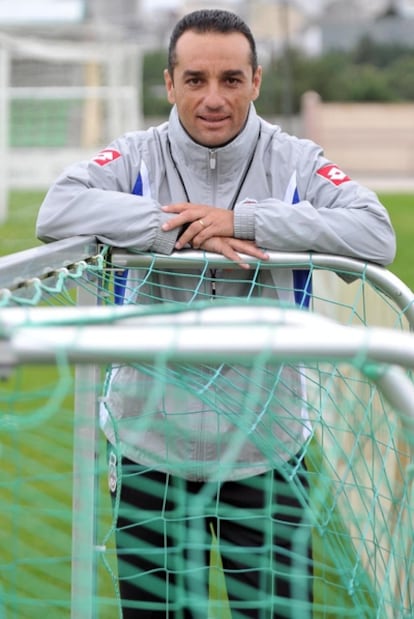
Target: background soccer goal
(61,101)
(57,527)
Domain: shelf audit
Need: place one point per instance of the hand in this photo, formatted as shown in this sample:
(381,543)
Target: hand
(231,248)
(203,222)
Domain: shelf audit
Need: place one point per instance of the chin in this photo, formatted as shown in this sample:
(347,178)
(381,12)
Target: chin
(215,141)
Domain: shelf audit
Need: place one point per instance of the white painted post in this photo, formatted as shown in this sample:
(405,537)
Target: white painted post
(85,485)
(4,129)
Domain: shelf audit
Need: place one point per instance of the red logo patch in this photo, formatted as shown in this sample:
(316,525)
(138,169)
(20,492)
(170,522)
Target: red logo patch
(332,173)
(106,156)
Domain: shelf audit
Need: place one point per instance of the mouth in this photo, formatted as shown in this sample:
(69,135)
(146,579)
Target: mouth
(214,120)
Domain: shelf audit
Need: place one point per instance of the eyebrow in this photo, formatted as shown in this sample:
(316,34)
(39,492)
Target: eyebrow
(226,74)
(234,73)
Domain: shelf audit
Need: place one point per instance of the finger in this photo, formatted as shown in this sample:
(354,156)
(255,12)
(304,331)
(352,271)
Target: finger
(239,260)
(250,249)
(246,254)
(185,217)
(176,222)
(232,255)
(196,233)
(258,253)
(178,207)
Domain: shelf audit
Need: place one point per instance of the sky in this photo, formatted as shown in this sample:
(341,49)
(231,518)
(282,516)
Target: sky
(153,5)
(309,5)
(17,11)
(72,10)
(156,4)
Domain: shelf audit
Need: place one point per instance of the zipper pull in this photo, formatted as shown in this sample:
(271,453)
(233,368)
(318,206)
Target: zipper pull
(213,159)
(213,282)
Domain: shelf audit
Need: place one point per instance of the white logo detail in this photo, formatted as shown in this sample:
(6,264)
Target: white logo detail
(112,472)
(335,174)
(105,156)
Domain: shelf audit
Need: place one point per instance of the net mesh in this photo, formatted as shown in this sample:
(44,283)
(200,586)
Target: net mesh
(52,87)
(320,530)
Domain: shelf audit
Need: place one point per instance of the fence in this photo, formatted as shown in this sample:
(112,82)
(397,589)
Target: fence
(359,405)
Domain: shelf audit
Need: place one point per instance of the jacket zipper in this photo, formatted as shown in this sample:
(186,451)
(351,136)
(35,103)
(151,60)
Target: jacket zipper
(213,164)
(213,159)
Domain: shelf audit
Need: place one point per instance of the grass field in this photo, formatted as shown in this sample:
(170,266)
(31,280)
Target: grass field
(401,209)
(40,557)
(18,231)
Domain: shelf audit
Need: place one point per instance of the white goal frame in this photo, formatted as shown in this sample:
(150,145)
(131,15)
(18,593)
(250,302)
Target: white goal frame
(122,94)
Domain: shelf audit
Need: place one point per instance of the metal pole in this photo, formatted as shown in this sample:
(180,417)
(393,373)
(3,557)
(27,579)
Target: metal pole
(287,97)
(4,130)
(85,486)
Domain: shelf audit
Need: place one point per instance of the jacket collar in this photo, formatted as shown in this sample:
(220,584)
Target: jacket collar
(189,154)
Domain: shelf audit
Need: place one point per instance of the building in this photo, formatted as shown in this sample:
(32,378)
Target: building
(342,25)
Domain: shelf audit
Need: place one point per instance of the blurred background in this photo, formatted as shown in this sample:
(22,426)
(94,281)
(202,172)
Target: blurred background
(76,73)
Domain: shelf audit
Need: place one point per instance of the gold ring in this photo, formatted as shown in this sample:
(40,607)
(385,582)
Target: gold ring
(200,221)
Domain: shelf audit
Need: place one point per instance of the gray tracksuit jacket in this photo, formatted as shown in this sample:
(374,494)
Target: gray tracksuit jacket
(286,196)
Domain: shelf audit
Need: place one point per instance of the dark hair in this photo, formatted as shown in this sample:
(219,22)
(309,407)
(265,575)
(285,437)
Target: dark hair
(210,20)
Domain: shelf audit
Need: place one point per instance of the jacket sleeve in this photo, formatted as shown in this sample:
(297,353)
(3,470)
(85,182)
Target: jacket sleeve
(325,212)
(94,198)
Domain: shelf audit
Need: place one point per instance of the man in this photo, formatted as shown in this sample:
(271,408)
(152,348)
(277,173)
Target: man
(219,178)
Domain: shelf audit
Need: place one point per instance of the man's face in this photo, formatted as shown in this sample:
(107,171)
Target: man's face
(212,85)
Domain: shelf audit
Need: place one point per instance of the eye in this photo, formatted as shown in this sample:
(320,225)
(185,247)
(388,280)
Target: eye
(193,81)
(233,81)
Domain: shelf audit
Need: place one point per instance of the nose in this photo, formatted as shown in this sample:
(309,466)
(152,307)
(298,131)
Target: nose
(213,98)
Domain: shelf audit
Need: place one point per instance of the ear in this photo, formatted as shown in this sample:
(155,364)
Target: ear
(257,81)
(169,86)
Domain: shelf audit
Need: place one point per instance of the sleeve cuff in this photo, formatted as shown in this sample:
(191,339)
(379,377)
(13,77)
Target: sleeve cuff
(244,219)
(164,242)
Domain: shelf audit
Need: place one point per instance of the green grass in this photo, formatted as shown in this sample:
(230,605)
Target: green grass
(401,209)
(18,231)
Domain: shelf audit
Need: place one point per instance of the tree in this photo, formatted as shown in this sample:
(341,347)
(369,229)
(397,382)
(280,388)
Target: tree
(154,97)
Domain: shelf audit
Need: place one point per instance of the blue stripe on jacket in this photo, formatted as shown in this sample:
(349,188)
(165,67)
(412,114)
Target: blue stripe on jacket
(302,279)
(121,277)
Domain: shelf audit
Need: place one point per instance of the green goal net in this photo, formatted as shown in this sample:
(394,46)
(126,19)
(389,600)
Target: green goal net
(275,440)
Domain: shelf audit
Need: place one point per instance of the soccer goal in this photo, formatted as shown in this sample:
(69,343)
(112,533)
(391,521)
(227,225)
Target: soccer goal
(62,101)
(62,333)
